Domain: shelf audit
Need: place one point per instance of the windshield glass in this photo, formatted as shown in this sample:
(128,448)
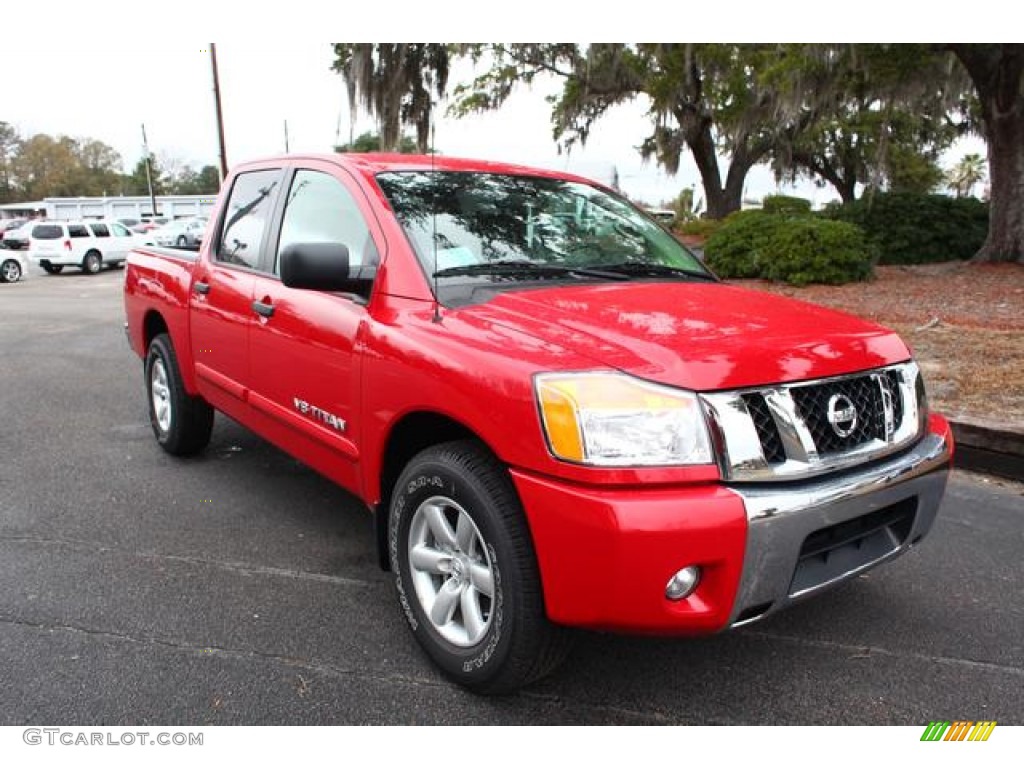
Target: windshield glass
(497,227)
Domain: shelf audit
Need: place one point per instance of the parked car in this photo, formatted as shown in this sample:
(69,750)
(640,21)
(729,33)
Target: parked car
(180,233)
(558,415)
(16,238)
(145,224)
(13,266)
(88,245)
(8,224)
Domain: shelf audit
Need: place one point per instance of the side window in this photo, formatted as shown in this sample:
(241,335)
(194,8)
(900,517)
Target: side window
(321,210)
(119,230)
(249,207)
(77,230)
(100,230)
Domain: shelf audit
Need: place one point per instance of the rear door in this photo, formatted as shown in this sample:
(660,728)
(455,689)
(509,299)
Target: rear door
(306,382)
(222,290)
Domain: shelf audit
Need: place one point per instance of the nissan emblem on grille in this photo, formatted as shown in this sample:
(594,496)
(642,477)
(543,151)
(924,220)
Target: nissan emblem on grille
(842,415)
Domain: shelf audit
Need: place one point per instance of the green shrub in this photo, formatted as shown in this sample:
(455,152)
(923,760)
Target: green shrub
(734,249)
(785,204)
(909,228)
(699,227)
(809,250)
(794,249)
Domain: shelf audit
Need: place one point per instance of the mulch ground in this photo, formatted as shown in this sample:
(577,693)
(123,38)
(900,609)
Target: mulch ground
(964,322)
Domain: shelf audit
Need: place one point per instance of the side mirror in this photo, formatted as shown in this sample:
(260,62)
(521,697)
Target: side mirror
(324,267)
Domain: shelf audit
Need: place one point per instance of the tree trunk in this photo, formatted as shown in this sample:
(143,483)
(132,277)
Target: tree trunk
(1005,241)
(997,72)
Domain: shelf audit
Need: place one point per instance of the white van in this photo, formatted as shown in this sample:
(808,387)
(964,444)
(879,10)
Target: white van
(88,245)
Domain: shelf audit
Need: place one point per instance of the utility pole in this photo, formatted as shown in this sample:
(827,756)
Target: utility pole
(149,170)
(286,150)
(220,116)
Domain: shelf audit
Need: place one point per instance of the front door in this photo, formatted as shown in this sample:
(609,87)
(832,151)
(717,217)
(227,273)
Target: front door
(222,291)
(306,368)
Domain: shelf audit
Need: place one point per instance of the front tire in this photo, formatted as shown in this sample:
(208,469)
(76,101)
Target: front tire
(182,242)
(466,573)
(92,263)
(181,423)
(10,271)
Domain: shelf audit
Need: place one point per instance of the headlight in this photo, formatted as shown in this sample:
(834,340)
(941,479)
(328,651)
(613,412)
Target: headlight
(610,419)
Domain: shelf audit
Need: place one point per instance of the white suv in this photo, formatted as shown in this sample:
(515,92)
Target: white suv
(88,245)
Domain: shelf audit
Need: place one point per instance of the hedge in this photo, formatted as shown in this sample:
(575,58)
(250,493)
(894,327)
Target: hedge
(909,228)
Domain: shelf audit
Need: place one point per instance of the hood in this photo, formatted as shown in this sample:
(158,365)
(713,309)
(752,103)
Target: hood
(701,336)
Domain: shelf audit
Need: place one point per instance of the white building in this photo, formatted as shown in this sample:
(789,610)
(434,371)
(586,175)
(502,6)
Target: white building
(171,206)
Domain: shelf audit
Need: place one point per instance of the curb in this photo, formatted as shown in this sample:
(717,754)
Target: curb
(983,446)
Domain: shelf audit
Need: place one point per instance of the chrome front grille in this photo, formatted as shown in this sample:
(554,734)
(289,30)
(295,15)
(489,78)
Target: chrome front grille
(808,428)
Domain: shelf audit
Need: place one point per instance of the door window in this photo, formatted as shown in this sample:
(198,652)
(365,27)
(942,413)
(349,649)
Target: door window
(321,210)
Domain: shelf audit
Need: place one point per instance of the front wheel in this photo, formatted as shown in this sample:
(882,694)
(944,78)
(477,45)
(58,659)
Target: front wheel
(466,573)
(181,423)
(10,271)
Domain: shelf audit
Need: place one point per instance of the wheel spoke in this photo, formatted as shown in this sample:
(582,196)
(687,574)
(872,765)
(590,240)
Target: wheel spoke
(447,599)
(464,533)
(426,558)
(472,616)
(439,526)
(481,579)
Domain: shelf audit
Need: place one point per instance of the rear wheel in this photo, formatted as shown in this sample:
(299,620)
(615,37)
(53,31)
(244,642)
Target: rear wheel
(52,269)
(466,573)
(10,271)
(92,263)
(181,423)
(182,242)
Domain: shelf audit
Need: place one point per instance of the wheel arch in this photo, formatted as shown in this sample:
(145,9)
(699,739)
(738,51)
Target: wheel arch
(410,434)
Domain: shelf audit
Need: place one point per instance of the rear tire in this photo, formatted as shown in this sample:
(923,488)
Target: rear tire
(10,271)
(182,242)
(465,571)
(92,263)
(52,269)
(181,423)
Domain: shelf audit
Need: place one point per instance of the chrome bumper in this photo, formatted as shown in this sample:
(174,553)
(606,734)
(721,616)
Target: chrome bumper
(780,520)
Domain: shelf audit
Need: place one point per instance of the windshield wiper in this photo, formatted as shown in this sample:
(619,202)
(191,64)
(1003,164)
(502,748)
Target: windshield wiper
(512,268)
(642,269)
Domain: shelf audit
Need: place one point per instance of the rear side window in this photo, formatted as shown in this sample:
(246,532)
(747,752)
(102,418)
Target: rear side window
(100,230)
(77,230)
(47,232)
(245,220)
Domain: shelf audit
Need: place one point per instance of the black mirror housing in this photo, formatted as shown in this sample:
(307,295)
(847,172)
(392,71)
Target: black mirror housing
(324,267)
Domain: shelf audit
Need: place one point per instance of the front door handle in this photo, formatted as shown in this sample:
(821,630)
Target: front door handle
(266,310)
(201,287)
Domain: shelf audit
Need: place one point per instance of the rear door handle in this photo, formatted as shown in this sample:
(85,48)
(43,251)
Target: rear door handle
(266,310)
(201,287)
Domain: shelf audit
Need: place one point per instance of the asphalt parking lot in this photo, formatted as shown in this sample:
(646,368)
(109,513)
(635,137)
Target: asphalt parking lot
(240,587)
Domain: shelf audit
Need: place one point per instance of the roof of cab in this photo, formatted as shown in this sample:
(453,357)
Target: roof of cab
(369,164)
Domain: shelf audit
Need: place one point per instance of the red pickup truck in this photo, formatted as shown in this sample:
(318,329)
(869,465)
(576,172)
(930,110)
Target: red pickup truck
(559,417)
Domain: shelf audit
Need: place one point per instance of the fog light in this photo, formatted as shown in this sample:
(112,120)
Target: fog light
(683,583)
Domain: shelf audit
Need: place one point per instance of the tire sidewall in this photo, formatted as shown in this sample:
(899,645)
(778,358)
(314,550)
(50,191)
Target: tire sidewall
(158,350)
(86,263)
(480,663)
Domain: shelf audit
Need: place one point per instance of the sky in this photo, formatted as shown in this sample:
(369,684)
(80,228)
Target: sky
(107,92)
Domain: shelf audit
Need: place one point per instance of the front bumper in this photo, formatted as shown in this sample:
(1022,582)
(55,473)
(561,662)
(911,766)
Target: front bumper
(606,556)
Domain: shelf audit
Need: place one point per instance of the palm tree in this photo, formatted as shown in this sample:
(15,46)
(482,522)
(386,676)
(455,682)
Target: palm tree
(394,82)
(965,174)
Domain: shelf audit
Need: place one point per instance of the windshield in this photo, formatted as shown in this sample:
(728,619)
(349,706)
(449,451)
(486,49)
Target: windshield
(500,228)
